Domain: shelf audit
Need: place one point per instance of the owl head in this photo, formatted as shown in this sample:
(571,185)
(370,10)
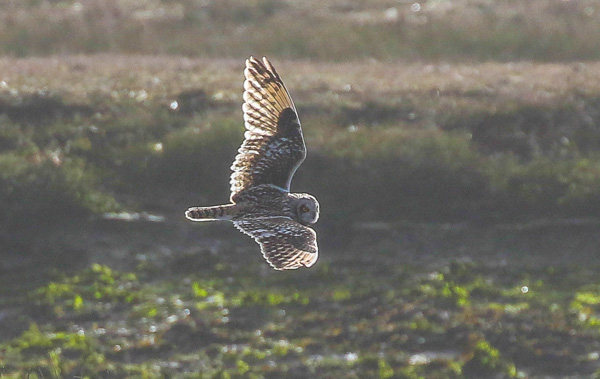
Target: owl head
(306,207)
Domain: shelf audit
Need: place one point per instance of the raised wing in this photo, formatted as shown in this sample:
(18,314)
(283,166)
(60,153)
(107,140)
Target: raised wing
(274,146)
(285,244)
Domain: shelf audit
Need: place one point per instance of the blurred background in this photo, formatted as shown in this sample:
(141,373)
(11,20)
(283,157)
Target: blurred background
(453,146)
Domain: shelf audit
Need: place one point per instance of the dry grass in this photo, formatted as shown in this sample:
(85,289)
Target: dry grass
(542,30)
(438,86)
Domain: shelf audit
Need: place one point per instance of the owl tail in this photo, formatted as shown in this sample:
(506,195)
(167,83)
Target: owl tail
(218,212)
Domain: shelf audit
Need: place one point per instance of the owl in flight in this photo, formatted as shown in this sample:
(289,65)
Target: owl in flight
(261,204)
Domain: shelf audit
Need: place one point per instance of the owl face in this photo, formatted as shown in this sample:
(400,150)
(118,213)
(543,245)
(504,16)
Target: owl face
(307,209)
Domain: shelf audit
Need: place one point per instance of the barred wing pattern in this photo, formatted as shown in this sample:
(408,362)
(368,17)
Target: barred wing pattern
(285,244)
(274,146)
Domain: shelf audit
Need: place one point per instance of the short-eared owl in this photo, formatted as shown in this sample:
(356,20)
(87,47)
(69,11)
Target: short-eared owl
(261,204)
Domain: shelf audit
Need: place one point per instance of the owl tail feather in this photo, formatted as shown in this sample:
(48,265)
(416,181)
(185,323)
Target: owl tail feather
(218,212)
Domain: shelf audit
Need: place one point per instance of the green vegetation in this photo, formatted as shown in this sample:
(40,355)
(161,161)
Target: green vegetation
(460,322)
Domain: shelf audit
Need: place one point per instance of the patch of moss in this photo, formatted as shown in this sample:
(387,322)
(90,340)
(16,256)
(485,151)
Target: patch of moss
(97,284)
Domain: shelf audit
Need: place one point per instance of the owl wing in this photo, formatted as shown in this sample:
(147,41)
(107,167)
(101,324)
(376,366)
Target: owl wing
(274,146)
(285,243)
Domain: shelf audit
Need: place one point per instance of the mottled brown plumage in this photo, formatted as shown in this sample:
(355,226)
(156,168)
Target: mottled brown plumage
(261,203)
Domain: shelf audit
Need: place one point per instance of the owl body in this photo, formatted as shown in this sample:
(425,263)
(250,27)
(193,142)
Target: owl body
(261,204)
(262,201)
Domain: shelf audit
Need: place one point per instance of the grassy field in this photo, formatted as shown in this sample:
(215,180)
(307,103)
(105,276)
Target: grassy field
(453,146)
(541,30)
(457,238)
(445,142)
(417,302)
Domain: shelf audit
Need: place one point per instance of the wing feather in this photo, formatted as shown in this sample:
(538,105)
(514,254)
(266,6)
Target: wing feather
(274,145)
(285,244)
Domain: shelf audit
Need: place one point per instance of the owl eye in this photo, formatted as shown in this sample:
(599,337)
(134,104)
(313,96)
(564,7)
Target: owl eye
(304,209)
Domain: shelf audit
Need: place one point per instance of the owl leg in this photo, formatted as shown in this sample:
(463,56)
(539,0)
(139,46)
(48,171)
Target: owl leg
(217,212)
